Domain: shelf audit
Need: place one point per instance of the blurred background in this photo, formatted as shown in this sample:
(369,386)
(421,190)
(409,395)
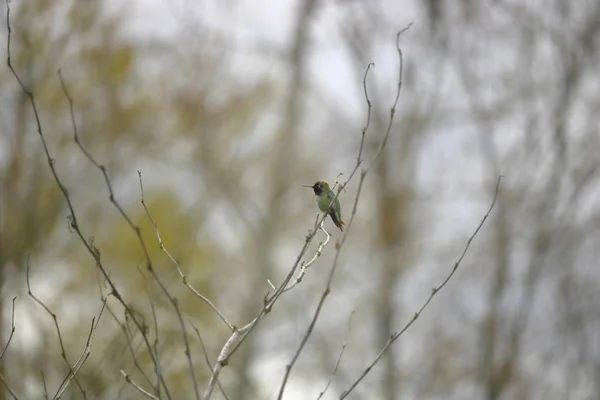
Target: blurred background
(227,108)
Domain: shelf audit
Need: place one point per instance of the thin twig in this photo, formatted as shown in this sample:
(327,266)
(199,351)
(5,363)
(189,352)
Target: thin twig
(138,387)
(176,263)
(156,336)
(129,342)
(339,359)
(188,352)
(44,384)
(12,330)
(63,352)
(207,359)
(434,291)
(174,302)
(399,89)
(14,396)
(83,357)
(305,265)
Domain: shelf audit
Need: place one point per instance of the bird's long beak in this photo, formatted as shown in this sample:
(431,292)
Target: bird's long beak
(308,186)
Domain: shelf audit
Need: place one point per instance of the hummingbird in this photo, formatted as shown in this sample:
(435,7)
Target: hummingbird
(324,195)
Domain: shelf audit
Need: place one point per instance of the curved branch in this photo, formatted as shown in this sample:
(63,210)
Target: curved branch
(434,291)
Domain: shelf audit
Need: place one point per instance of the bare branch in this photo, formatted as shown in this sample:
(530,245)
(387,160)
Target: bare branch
(207,359)
(223,357)
(138,387)
(83,357)
(239,335)
(188,353)
(399,89)
(156,336)
(434,291)
(305,265)
(14,396)
(44,384)
(176,263)
(63,352)
(339,359)
(366,127)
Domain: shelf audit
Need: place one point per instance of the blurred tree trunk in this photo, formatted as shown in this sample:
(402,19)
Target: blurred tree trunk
(15,225)
(282,169)
(392,267)
(395,195)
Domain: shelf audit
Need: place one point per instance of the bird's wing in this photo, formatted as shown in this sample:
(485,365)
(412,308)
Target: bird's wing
(336,204)
(331,196)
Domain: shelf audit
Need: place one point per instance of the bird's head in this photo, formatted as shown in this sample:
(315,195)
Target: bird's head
(319,187)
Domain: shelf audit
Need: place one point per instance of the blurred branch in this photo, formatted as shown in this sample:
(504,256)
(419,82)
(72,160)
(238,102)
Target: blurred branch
(44,384)
(363,175)
(3,380)
(12,331)
(434,291)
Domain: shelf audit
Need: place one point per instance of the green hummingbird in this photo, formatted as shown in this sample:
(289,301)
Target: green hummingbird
(324,195)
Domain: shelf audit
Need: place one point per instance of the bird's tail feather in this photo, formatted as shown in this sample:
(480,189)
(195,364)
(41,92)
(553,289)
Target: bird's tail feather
(337,221)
